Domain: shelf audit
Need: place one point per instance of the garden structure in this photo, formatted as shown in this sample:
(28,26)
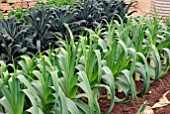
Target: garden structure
(163,7)
(142,6)
(84,57)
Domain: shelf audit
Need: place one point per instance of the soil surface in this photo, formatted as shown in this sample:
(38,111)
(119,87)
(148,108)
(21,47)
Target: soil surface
(156,91)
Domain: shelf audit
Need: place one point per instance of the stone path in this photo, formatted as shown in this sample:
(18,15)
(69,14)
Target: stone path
(7,5)
(143,7)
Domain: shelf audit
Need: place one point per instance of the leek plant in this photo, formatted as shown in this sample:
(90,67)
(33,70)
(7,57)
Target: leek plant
(122,60)
(149,37)
(157,33)
(12,96)
(97,72)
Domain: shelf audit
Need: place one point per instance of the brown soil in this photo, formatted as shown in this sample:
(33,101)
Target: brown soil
(156,91)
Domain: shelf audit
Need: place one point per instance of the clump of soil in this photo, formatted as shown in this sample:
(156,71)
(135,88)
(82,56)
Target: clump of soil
(156,91)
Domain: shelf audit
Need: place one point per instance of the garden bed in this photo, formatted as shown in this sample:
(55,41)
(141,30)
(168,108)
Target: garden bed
(99,54)
(156,91)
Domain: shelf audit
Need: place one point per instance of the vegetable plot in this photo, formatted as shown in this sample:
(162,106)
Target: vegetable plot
(36,29)
(69,79)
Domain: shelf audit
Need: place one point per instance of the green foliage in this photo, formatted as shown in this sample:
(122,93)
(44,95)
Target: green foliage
(58,3)
(39,4)
(1,15)
(19,13)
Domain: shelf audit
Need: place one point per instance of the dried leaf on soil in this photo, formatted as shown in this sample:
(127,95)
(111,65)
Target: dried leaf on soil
(144,109)
(163,101)
(148,110)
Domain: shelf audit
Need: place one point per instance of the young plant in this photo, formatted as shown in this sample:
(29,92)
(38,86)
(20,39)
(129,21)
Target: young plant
(13,97)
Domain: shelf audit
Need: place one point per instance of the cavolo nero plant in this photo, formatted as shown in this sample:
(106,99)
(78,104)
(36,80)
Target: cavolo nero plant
(39,22)
(63,15)
(14,39)
(94,11)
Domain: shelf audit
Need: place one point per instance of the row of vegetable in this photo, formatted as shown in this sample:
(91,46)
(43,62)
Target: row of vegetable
(68,77)
(40,26)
